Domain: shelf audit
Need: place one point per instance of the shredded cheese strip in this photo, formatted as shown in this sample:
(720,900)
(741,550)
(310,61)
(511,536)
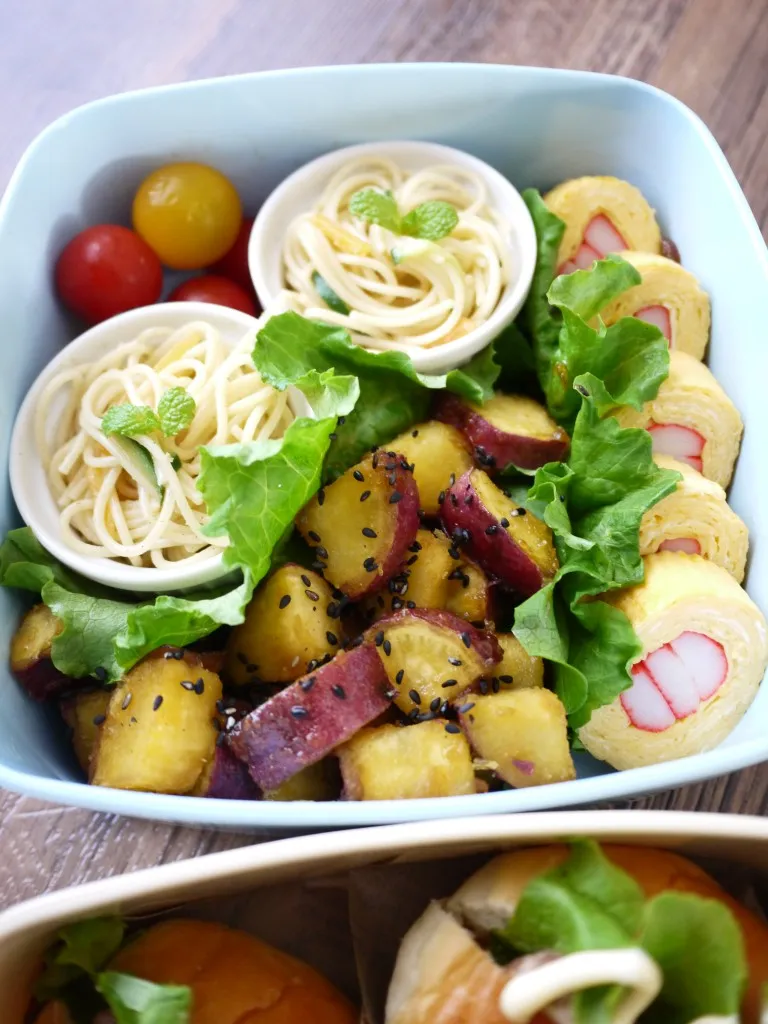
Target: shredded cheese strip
(434,294)
(108,510)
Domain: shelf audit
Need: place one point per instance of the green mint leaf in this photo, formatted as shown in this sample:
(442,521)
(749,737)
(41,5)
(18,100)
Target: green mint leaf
(377,207)
(135,1001)
(176,410)
(432,220)
(328,295)
(130,420)
(699,947)
(80,949)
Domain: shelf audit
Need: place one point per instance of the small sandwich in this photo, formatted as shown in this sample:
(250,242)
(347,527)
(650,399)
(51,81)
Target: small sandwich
(181,972)
(602,215)
(576,934)
(696,519)
(670,297)
(705,649)
(692,419)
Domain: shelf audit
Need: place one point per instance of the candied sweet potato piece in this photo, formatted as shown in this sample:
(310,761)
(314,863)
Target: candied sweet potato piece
(31,655)
(439,455)
(287,627)
(225,777)
(319,781)
(429,656)
(161,727)
(361,525)
(306,720)
(509,430)
(502,536)
(522,734)
(517,670)
(406,763)
(84,713)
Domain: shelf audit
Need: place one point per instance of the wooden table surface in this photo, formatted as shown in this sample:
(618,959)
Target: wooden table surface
(54,56)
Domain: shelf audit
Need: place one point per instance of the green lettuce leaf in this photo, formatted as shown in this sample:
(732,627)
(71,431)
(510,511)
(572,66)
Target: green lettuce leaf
(82,948)
(135,1001)
(292,351)
(538,320)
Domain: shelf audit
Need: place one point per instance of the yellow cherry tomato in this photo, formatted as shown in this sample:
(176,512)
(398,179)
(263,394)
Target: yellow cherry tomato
(188,213)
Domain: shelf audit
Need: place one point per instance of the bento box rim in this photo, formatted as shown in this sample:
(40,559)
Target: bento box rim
(308,815)
(382,843)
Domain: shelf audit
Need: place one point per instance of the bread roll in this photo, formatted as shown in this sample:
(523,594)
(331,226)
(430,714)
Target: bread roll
(705,649)
(696,519)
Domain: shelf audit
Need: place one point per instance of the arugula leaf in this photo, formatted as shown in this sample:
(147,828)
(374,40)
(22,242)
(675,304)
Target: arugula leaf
(130,420)
(292,351)
(377,207)
(433,220)
(135,1001)
(176,410)
(328,295)
(80,949)
(699,947)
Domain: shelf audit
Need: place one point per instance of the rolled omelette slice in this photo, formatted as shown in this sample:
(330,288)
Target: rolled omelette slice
(696,519)
(692,419)
(669,297)
(705,649)
(601,215)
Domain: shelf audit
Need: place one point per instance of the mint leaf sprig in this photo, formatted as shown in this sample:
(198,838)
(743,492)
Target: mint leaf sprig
(432,220)
(175,411)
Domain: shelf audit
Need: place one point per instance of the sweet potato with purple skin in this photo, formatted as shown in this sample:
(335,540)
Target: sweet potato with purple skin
(306,720)
(509,430)
(361,525)
(226,778)
(499,534)
(439,455)
(31,662)
(429,656)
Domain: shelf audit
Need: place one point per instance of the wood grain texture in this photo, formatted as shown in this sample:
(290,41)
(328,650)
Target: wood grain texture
(712,55)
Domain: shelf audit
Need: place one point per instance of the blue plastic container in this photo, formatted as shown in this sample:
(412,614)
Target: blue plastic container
(537,126)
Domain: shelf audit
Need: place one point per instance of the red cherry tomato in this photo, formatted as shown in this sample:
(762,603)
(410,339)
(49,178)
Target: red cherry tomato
(106,270)
(218,290)
(234,264)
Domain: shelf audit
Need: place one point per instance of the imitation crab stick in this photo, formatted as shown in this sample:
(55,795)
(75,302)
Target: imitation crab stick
(692,419)
(705,649)
(602,215)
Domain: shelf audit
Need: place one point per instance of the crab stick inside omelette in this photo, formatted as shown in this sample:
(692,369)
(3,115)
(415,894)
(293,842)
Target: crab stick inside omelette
(602,215)
(705,649)
(670,297)
(692,419)
(696,519)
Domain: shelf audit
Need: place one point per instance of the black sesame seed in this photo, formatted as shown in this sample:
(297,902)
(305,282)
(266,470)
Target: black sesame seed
(490,530)
(399,676)
(319,566)
(415,546)
(410,604)
(390,465)
(379,638)
(374,449)
(495,685)
(306,581)
(321,553)
(331,638)
(504,522)
(100,673)
(365,495)
(179,655)
(157,702)
(333,436)
(394,497)
(356,642)
(370,564)
(391,478)
(251,668)
(387,647)
(414,433)
(406,468)
(375,461)
(285,600)
(444,707)
(421,514)
(397,604)
(341,420)
(126,700)
(412,559)
(220,706)
(333,610)
(484,687)
(435,705)
(582,390)
(414,714)
(483,457)
(466,639)
(519,512)
(469,499)
(454,499)
(452,728)
(506,679)
(187,684)
(441,498)
(562,497)
(452,479)
(298,711)
(453,551)
(358,475)
(464,708)
(390,694)
(415,696)
(312,595)
(200,686)
(368,532)
(99,720)
(172,654)
(320,496)
(455,662)
(314,536)
(449,682)
(307,684)
(338,691)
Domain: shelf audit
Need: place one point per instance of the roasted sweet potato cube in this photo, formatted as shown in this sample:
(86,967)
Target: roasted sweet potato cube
(318,781)
(361,525)
(84,714)
(31,655)
(287,627)
(439,456)
(305,721)
(521,734)
(508,430)
(502,536)
(160,732)
(517,670)
(406,763)
(430,656)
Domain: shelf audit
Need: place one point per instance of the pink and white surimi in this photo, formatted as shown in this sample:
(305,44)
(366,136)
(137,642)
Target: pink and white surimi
(682,443)
(600,238)
(672,681)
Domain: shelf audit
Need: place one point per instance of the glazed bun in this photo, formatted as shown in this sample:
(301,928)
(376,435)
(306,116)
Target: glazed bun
(235,978)
(444,975)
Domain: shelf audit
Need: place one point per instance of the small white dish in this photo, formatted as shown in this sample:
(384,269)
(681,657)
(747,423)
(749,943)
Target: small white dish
(300,191)
(28,479)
